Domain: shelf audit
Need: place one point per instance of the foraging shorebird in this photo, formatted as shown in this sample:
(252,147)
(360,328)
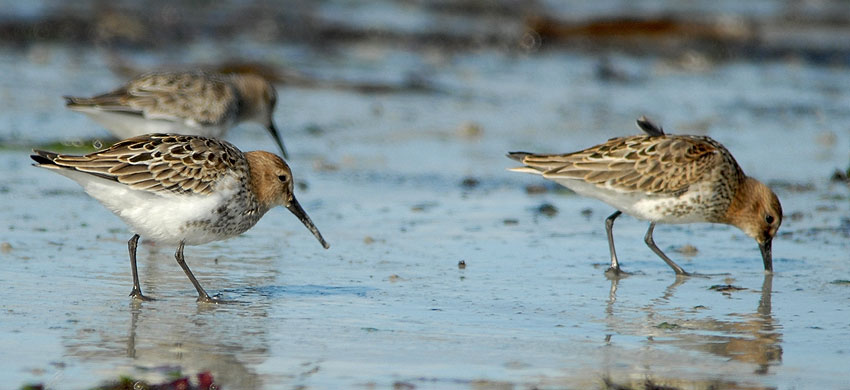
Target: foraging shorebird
(182,190)
(664,178)
(192,103)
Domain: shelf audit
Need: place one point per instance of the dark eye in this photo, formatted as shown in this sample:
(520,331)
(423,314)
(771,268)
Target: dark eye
(283,178)
(768,219)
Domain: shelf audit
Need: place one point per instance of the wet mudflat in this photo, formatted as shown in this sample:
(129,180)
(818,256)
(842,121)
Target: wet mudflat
(405,183)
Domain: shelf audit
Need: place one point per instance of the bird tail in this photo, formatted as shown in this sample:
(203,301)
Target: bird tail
(520,156)
(649,127)
(110,101)
(73,102)
(44,158)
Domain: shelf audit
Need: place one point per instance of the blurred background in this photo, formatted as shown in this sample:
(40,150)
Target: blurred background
(397,116)
(577,65)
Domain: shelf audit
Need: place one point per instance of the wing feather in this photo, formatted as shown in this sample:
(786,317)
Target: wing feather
(161,163)
(204,98)
(652,164)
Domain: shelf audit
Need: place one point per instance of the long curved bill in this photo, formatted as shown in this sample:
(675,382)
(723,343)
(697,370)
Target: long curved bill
(767,254)
(277,138)
(299,212)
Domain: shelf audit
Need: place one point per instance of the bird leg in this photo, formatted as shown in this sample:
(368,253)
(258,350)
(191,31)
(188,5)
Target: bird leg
(137,289)
(609,228)
(651,243)
(202,294)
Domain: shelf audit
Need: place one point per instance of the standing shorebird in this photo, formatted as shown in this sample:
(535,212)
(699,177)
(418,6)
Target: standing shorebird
(665,179)
(193,103)
(182,190)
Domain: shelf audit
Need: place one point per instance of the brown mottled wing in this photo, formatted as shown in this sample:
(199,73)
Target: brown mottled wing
(204,98)
(665,164)
(161,163)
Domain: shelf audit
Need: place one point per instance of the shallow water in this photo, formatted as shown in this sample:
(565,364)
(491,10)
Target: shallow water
(384,175)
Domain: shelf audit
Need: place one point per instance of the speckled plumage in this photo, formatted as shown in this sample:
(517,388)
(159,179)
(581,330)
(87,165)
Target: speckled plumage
(180,189)
(195,103)
(674,175)
(664,179)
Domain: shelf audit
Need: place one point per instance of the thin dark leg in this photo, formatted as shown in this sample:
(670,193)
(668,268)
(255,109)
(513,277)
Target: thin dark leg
(609,228)
(651,243)
(137,289)
(202,294)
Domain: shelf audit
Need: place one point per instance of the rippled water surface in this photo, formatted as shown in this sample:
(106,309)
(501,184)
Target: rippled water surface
(404,184)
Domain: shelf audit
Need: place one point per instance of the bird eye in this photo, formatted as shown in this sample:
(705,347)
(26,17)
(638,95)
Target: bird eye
(768,219)
(283,178)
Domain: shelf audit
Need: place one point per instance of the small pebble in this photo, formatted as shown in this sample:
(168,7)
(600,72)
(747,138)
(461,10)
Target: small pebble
(547,209)
(424,206)
(470,182)
(533,189)
(314,129)
(839,176)
(687,250)
(403,386)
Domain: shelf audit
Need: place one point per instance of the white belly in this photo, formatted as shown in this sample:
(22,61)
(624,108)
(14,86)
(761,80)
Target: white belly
(686,208)
(124,126)
(164,217)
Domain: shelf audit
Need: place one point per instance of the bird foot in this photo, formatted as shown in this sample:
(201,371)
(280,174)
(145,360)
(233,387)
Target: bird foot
(137,295)
(615,273)
(213,300)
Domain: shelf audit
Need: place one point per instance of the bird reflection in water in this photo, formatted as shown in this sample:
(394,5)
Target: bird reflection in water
(754,338)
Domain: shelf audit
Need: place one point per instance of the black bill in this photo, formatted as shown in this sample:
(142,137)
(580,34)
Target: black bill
(277,138)
(299,212)
(767,254)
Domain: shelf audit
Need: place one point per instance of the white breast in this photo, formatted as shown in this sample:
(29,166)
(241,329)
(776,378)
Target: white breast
(124,125)
(163,217)
(687,208)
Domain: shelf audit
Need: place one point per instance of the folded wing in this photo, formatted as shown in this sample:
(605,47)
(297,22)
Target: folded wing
(651,164)
(198,97)
(156,162)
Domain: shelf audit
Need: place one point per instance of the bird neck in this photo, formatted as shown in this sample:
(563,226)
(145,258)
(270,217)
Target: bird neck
(744,206)
(249,90)
(259,163)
